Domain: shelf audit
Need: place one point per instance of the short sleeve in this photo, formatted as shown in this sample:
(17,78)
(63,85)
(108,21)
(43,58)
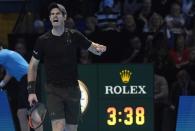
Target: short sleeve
(38,49)
(81,40)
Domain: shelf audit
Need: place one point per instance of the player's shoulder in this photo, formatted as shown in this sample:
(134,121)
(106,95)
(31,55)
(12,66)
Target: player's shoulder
(72,31)
(45,35)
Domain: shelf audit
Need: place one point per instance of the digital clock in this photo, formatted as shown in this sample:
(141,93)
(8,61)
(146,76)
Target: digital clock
(125,98)
(130,116)
(134,114)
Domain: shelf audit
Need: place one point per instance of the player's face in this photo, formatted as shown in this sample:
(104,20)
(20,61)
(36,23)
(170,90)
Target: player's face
(57,18)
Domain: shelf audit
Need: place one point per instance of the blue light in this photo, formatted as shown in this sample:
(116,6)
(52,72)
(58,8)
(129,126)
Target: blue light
(186,114)
(6,121)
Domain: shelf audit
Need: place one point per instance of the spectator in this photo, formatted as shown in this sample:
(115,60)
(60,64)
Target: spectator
(107,18)
(129,25)
(134,54)
(180,54)
(38,26)
(160,100)
(155,23)
(161,6)
(79,21)
(144,15)
(175,21)
(91,23)
(70,23)
(20,47)
(131,6)
(116,5)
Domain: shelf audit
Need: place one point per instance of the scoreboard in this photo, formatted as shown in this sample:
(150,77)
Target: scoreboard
(120,97)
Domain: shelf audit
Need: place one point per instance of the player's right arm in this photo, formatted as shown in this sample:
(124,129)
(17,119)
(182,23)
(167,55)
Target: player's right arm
(32,71)
(32,75)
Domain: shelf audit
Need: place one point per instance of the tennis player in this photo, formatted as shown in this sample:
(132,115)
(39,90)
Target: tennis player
(58,49)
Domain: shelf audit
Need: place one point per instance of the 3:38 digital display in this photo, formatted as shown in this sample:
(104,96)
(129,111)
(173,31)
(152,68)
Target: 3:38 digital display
(132,114)
(126,102)
(129,118)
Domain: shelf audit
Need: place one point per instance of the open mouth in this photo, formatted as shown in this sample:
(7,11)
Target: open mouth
(55,20)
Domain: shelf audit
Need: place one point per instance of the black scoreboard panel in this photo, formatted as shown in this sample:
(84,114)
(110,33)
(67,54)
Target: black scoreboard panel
(120,97)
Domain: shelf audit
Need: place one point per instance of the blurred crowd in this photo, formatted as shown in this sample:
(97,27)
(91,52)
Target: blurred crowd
(161,32)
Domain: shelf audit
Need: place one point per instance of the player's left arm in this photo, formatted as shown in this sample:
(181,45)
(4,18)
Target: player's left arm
(93,47)
(97,49)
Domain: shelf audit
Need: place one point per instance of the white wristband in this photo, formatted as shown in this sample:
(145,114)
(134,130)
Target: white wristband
(2,83)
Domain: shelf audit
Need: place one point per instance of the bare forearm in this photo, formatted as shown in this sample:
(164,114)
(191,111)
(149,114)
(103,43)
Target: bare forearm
(32,72)
(6,78)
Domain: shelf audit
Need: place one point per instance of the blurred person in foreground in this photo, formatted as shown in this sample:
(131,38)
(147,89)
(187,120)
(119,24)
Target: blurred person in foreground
(16,67)
(58,49)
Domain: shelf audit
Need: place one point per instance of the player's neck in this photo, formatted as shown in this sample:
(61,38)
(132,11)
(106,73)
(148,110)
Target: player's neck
(57,31)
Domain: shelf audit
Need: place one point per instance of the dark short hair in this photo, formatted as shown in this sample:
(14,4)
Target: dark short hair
(59,6)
